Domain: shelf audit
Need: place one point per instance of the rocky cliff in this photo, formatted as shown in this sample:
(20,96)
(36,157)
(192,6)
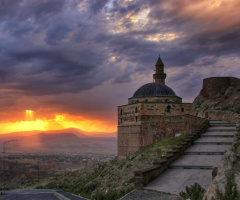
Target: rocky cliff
(218,93)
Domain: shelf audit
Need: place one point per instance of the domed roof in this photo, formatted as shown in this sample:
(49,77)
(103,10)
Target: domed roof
(154,90)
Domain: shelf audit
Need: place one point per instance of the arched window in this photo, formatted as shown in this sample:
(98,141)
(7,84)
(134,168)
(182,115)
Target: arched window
(182,109)
(121,111)
(136,118)
(136,109)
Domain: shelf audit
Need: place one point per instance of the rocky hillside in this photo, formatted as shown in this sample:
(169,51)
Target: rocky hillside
(218,93)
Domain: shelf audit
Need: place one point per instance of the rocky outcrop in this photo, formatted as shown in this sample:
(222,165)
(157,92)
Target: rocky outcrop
(228,168)
(218,93)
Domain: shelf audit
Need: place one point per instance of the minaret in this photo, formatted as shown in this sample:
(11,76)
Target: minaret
(159,76)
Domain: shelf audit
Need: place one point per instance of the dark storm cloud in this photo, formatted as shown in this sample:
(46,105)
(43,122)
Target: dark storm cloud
(50,72)
(56,34)
(97,5)
(51,47)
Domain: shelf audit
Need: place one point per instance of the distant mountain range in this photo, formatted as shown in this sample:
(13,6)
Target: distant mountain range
(78,132)
(68,140)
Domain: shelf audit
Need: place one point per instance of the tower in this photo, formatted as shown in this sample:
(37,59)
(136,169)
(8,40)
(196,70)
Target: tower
(159,76)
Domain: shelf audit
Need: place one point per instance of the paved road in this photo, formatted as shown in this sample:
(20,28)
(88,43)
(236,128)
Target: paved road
(196,165)
(29,195)
(148,195)
(36,194)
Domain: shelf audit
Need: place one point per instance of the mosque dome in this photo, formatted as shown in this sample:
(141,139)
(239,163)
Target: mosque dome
(154,90)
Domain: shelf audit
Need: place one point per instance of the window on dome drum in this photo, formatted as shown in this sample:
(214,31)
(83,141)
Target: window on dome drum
(168,108)
(136,119)
(182,109)
(136,110)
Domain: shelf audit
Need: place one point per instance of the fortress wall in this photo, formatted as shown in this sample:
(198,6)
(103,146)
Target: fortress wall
(158,127)
(129,140)
(216,85)
(153,128)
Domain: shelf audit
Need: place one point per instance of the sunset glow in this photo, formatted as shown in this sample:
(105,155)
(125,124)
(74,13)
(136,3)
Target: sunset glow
(29,115)
(72,64)
(60,122)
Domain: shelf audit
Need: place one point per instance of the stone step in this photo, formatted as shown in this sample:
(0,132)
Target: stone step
(218,122)
(213,143)
(217,135)
(214,140)
(197,161)
(204,153)
(223,125)
(223,133)
(175,180)
(221,128)
(191,167)
(208,148)
(195,165)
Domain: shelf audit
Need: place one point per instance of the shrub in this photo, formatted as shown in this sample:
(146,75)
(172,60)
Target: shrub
(194,192)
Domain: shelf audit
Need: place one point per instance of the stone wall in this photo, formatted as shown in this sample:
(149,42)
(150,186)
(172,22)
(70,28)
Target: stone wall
(129,140)
(153,128)
(223,116)
(215,86)
(132,114)
(155,100)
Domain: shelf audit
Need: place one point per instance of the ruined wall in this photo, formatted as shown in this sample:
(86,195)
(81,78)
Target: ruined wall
(215,85)
(153,128)
(218,93)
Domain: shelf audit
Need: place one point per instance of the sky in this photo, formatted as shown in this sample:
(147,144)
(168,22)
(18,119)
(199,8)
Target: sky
(70,63)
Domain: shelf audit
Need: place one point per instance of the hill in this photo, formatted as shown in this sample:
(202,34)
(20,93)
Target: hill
(116,176)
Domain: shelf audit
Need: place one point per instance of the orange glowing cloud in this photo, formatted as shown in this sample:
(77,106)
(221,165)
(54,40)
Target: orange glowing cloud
(216,14)
(60,122)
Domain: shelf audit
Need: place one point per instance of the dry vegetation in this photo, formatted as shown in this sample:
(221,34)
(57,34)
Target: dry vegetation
(113,179)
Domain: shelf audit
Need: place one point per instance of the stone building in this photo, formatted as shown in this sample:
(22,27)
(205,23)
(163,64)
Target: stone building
(149,103)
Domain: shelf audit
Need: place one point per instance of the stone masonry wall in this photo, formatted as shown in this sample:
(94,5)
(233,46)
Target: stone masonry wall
(153,128)
(129,140)
(132,114)
(223,116)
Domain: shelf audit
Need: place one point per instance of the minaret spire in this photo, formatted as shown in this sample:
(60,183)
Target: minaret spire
(159,76)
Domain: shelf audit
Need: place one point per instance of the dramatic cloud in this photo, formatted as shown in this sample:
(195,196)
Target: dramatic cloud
(84,57)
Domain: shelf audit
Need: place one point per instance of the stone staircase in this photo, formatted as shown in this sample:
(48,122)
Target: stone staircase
(196,164)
